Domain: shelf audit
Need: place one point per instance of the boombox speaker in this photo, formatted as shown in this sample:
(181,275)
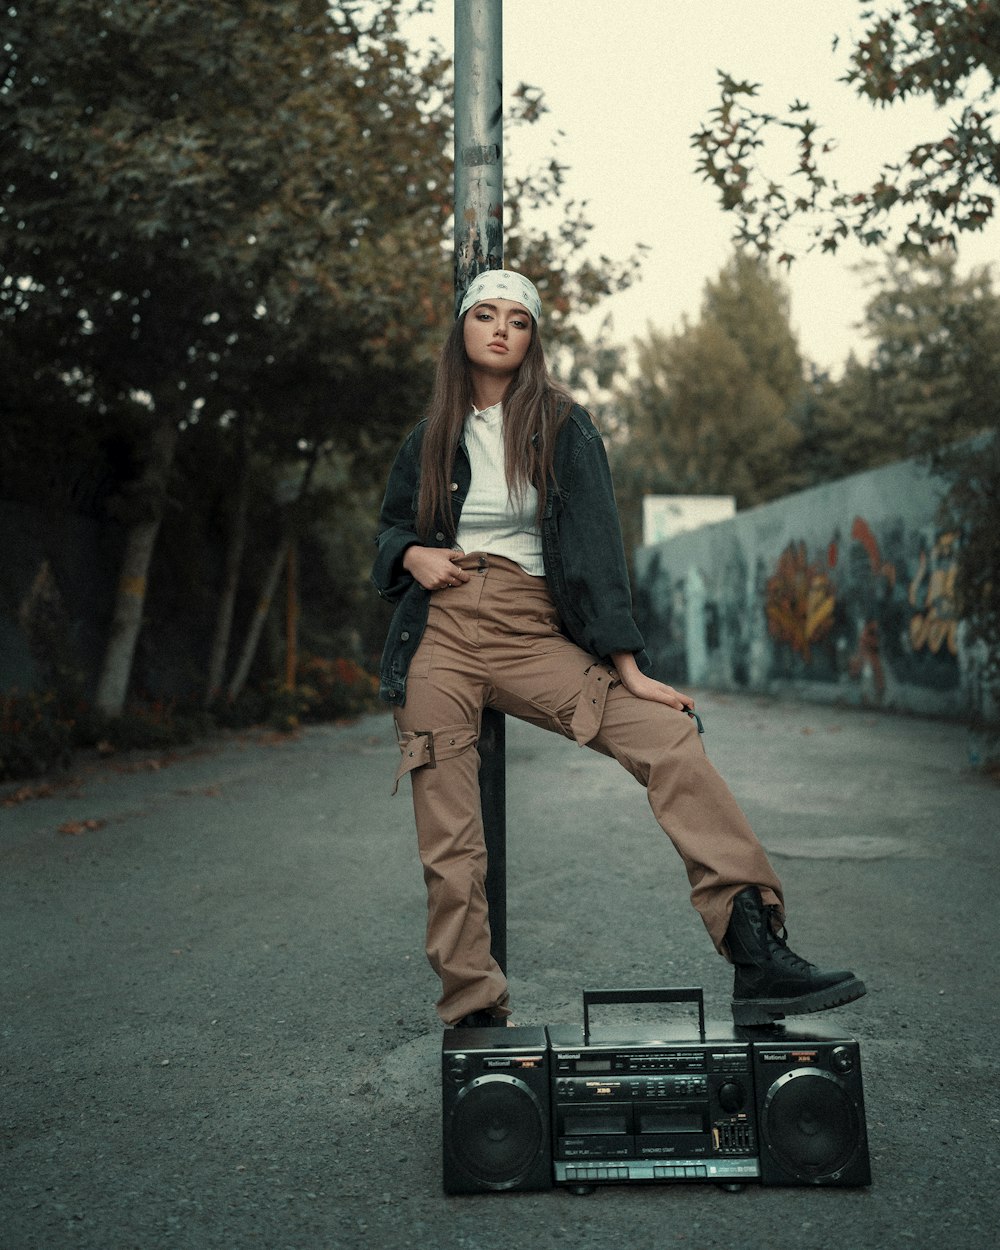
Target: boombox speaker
(496,1110)
(810,1112)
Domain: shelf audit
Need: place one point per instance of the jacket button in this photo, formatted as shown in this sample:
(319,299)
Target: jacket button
(405,636)
(439,536)
(454,486)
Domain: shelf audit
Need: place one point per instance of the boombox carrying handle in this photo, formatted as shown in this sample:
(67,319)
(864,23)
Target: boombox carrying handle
(591,997)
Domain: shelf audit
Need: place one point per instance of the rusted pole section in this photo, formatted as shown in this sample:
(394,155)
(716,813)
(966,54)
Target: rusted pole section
(478,140)
(479,246)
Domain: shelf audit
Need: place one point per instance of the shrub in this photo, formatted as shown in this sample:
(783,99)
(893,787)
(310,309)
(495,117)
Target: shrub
(39,731)
(36,734)
(149,726)
(331,689)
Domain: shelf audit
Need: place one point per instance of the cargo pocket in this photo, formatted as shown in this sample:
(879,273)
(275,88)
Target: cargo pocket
(425,748)
(598,680)
(423,657)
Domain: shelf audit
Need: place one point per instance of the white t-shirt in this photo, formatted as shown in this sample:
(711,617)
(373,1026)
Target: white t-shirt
(491,520)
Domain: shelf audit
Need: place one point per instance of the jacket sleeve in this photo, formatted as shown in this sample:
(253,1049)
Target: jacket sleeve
(397,522)
(593,554)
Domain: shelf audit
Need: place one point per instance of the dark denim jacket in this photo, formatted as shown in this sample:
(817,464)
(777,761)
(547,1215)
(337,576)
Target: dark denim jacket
(581,547)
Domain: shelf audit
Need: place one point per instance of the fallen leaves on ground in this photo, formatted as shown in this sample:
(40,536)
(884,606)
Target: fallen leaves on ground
(151,764)
(25,794)
(76,827)
(44,790)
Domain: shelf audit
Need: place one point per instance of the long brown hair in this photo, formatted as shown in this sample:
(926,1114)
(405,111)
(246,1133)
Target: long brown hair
(533,404)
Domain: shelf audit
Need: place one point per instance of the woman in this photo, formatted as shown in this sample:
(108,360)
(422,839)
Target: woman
(500,544)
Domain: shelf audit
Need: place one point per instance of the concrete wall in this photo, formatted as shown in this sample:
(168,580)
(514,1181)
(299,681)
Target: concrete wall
(841,593)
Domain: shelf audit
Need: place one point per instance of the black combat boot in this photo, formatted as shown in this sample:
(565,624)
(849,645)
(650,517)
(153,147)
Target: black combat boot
(481,1020)
(771,980)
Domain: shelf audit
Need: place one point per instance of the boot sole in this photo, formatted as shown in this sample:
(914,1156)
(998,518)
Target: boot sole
(767,1010)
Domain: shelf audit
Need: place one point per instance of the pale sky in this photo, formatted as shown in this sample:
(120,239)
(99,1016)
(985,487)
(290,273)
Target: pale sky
(627,84)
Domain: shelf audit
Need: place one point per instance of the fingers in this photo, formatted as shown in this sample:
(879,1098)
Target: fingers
(435,568)
(451,575)
(683,702)
(660,692)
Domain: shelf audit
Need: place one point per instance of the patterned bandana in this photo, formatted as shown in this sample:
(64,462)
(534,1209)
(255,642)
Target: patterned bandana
(502,284)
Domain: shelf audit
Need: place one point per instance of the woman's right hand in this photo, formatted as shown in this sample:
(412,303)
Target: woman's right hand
(434,567)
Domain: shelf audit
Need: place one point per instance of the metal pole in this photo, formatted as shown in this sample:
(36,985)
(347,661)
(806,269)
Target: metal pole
(478,140)
(479,246)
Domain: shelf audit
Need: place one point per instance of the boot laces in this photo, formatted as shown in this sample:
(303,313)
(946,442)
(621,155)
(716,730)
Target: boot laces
(779,936)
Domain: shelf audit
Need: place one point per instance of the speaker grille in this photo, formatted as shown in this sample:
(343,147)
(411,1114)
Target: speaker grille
(497,1130)
(811,1123)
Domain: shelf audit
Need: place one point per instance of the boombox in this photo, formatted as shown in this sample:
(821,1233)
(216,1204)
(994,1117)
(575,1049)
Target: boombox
(580,1106)
(496,1103)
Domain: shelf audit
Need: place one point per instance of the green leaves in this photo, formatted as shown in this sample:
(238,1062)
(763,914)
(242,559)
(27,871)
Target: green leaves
(708,411)
(949,50)
(202,177)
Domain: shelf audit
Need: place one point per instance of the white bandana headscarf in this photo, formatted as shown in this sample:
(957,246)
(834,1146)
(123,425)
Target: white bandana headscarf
(502,284)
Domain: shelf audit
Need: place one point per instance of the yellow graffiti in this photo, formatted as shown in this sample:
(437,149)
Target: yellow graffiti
(935,622)
(800,601)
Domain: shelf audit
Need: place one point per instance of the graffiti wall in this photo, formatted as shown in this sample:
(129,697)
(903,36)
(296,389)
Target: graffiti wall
(840,593)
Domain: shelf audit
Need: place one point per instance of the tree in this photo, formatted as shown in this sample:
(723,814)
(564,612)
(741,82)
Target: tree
(231,213)
(840,429)
(935,383)
(923,199)
(932,379)
(944,186)
(931,389)
(972,508)
(935,366)
(707,410)
(184,196)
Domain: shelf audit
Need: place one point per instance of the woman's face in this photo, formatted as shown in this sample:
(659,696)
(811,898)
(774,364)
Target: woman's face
(497,336)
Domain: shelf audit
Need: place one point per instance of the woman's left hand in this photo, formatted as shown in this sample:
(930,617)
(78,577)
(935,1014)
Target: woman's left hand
(636,682)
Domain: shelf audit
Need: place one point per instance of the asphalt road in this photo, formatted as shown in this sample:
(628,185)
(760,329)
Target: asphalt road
(216,1022)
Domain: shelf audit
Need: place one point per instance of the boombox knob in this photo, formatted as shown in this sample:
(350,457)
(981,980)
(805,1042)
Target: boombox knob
(841,1059)
(458,1069)
(732,1096)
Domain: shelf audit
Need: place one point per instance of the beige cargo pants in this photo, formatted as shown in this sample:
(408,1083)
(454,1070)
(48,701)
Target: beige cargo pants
(495,641)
